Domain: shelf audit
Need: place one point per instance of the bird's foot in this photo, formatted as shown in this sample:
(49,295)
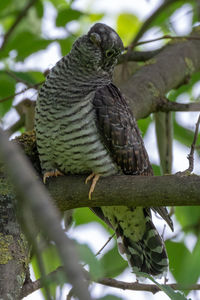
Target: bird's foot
(94,181)
(53,173)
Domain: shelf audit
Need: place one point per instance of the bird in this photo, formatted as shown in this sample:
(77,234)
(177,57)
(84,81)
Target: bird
(84,125)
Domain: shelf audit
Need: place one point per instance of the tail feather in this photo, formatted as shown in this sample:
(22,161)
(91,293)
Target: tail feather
(146,255)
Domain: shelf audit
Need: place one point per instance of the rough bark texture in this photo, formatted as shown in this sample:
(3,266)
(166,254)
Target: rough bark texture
(172,67)
(14,250)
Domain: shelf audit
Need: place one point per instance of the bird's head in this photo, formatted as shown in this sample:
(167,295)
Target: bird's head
(100,48)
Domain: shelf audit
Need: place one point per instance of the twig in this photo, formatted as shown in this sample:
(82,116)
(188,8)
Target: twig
(18,79)
(138,55)
(147,23)
(133,286)
(110,238)
(191,154)
(17,21)
(164,37)
(16,126)
(166,106)
(70,294)
(35,86)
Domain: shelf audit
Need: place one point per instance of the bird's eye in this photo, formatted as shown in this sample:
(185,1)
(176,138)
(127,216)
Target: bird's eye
(110,52)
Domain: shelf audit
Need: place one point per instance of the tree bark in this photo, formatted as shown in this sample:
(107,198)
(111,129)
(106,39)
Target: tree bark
(172,67)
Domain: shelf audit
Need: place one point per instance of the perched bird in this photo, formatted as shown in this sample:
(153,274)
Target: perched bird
(84,126)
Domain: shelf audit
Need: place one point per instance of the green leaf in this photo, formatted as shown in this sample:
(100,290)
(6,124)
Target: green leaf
(39,8)
(183,135)
(51,262)
(127,21)
(156,170)
(110,297)
(58,3)
(85,215)
(166,289)
(7,85)
(25,43)
(31,77)
(66,44)
(185,266)
(67,15)
(188,217)
(113,264)
(4,5)
(177,253)
(88,257)
(96,17)
(143,124)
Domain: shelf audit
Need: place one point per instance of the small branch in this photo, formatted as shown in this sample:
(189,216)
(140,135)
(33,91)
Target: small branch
(17,21)
(166,106)
(18,79)
(147,23)
(35,86)
(138,55)
(108,241)
(31,287)
(167,36)
(135,286)
(191,154)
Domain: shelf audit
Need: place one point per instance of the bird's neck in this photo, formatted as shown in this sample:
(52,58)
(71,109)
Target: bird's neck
(77,80)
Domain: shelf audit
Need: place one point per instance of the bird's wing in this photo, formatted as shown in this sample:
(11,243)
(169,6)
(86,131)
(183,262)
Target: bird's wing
(120,134)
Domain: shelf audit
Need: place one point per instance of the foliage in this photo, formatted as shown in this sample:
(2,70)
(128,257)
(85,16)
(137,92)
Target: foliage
(28,39)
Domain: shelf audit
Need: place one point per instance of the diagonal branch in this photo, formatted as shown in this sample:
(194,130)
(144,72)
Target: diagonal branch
(166,71)
(148,22)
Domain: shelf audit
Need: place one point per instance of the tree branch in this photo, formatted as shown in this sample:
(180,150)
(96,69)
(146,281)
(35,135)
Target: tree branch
(32,286)
(166,71)
(135,286)
(167,106)
(138,55)
(71,192)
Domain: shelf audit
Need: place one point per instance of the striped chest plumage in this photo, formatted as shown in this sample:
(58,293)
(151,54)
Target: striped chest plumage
(68,138)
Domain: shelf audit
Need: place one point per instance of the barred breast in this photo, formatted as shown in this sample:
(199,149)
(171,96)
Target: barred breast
(68,139)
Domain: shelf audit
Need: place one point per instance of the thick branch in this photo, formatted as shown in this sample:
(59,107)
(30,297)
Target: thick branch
(174,190)
(167,70)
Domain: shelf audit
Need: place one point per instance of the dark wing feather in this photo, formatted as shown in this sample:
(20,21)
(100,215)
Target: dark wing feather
(119,132)
(120,135)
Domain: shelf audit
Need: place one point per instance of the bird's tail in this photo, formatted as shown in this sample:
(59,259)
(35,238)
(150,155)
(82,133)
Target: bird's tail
(146,255)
